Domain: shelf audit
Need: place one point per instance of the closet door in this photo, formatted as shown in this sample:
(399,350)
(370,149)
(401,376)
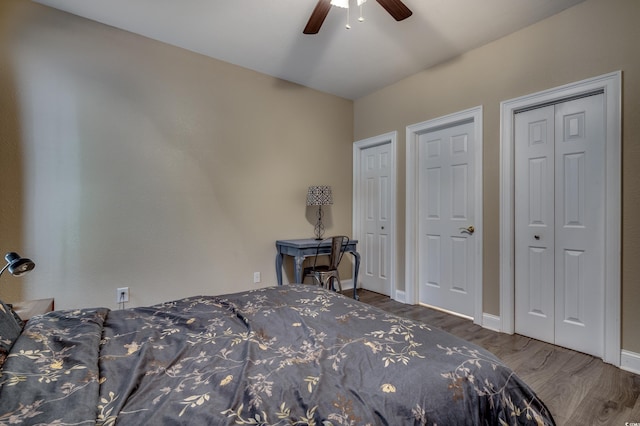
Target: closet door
(580,200)
(534,224)
(559,224)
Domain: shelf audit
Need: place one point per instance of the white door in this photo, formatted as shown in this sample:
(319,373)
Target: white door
(375,249)
(446,204)
(559,224)
(535,222)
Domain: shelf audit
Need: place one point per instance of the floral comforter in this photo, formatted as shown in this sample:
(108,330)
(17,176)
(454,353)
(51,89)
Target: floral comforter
(289,355)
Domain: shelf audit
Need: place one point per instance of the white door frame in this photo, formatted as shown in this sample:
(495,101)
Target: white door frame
(610,85)
(412,219)
(358,146)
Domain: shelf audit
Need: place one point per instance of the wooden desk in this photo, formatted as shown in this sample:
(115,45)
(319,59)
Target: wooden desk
(30,308)
(306,247)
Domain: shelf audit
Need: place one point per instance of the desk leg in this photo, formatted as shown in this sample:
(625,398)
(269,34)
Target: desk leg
(279,257)
(299,260)
(356,256)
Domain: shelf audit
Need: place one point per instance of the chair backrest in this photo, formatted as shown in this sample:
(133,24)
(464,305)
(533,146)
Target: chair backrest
(339,245)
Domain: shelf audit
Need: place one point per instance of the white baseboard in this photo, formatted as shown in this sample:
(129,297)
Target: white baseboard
(630,361)
(400,295)
(491,322)
(347,284)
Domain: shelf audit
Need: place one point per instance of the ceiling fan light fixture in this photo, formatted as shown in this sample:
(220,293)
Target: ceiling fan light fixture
(396,8)
(344,4)
(361,17)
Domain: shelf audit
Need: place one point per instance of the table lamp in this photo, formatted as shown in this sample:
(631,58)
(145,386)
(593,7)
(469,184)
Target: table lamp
(319,196)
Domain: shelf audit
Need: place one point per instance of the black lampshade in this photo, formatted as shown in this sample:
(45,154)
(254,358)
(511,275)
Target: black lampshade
(17,265)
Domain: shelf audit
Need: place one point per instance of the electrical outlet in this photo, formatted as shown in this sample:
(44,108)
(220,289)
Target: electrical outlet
(122,295)
(256,277)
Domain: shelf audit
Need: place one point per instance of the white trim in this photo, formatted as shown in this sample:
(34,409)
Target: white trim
(491,322)
(347,284)
(611,85)
(390,138)
(411,248)
(630,361)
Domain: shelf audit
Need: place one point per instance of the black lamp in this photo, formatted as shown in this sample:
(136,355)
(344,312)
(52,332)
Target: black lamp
(17,265)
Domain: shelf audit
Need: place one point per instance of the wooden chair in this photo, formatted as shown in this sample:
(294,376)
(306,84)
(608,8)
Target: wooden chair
(326,275)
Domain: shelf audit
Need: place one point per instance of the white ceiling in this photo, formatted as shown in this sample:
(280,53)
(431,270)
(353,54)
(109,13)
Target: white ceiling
(266,35)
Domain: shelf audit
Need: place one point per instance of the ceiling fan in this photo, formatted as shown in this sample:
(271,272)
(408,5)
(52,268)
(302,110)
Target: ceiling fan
(396,8)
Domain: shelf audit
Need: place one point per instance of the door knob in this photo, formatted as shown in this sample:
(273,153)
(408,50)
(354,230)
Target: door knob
(470,229)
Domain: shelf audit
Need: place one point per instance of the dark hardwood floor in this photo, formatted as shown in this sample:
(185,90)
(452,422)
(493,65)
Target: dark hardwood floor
(577,388)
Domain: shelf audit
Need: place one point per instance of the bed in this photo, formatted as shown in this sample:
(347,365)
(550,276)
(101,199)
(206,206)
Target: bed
(285,355)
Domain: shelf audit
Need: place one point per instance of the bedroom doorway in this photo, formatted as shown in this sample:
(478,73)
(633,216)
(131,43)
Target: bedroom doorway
(610,87)
(559,223)
(374,201)
(444,213)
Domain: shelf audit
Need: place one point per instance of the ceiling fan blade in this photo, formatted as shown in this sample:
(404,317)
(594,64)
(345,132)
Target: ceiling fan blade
(317,17)
(396,8)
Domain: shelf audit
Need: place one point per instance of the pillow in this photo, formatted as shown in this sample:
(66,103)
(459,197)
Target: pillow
(10,328)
